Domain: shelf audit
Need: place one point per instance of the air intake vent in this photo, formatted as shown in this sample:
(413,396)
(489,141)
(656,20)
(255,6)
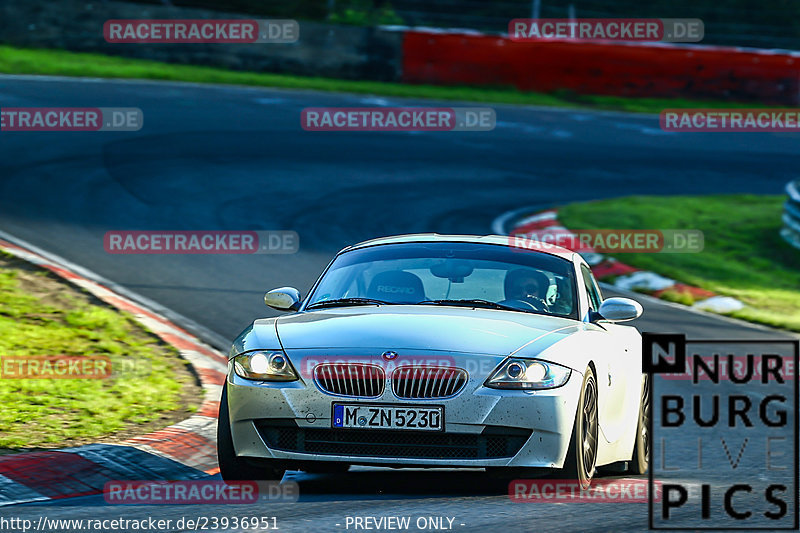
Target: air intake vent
(418,382)
(492,443)
(350,379)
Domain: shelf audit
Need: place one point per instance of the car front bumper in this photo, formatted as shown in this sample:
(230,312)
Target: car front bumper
(483,427)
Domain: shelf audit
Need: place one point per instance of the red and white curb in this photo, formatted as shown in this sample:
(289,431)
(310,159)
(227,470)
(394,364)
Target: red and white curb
(186,450)
(624,276)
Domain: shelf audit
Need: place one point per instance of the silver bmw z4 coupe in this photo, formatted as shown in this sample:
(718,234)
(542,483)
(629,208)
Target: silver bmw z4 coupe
(439,351)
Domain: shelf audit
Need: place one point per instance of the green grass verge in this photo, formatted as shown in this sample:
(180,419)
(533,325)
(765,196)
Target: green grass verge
(43,315)
(743,257)
(63,63)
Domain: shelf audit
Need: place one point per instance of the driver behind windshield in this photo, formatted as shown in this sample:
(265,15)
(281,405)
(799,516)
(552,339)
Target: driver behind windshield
(529,286)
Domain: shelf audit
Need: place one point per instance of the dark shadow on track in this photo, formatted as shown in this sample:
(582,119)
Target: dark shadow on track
(411,483)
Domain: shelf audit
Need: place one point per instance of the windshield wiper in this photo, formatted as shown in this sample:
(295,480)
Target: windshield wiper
(477,302)
(346,301)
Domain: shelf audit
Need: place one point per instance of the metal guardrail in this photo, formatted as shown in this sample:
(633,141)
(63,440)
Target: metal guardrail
(791,215)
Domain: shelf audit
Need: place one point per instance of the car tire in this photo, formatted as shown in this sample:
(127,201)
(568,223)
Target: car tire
(641,447)
(581,462)
(233,467)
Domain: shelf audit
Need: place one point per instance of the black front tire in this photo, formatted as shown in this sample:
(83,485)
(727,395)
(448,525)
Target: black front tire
(233,467)
(581,462)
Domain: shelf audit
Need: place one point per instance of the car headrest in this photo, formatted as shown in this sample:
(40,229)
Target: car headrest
(396,286)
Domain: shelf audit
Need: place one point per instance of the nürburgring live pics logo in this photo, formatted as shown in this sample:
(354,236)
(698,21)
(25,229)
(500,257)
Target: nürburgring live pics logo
(724,433)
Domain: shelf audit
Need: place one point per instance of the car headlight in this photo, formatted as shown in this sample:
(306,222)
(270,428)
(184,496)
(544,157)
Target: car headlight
(264,366)
(528,374)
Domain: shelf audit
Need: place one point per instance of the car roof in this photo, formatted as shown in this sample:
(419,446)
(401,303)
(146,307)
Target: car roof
(521,241)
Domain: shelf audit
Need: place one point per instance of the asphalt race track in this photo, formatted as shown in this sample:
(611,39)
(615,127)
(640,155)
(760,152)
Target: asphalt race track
(228,158)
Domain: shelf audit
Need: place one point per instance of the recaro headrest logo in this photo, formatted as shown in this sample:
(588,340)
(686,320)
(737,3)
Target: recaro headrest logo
(395,290)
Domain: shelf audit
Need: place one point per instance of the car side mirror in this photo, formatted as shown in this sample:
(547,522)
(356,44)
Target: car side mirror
(283,299)
(619,310)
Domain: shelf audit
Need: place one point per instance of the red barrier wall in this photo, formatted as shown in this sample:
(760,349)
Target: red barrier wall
(601,68)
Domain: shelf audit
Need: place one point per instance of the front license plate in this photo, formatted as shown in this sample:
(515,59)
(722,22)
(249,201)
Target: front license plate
(410,417)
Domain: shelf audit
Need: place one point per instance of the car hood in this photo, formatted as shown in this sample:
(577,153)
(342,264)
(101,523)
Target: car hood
(465,330)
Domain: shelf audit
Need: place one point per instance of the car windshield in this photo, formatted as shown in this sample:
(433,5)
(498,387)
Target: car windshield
(474,275)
